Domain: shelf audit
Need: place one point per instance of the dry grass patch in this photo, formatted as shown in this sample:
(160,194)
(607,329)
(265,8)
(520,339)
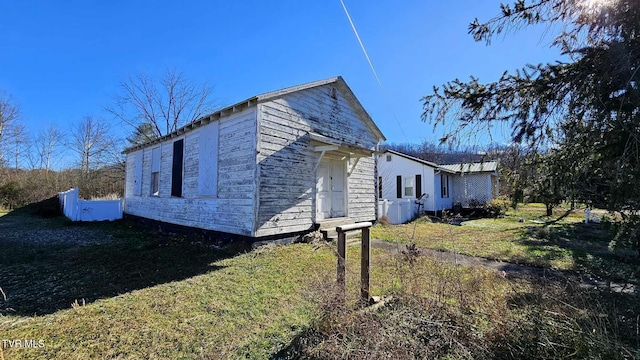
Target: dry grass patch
(568,244)
(446,311)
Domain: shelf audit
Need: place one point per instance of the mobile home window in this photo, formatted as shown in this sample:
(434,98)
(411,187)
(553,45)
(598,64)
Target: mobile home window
(444,184)
(155,171)
(408,186)
(176,169)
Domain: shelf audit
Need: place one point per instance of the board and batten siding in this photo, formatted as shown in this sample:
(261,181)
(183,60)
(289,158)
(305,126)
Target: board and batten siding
(226,202)
(287,159)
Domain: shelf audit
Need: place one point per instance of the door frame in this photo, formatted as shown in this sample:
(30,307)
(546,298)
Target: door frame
(344,162)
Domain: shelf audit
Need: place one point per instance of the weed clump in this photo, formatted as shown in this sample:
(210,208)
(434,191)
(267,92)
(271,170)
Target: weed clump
(444,310)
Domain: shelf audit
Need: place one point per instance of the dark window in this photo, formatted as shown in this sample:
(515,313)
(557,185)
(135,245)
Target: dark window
(155,184)
(418,185)
(379,187)
(399,187)
(176,169)
(388,157)
(444,185)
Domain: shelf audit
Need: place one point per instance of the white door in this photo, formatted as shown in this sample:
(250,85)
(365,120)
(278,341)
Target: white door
(330,189)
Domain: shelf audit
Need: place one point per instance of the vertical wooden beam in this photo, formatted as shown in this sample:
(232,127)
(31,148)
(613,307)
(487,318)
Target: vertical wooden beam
(365,262)
(342,256)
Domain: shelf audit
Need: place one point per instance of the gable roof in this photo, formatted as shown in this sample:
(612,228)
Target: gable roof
(464,168)
(418,160)
(253,101)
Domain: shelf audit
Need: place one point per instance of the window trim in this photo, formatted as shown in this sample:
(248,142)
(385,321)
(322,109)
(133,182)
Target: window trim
(177,169)
(444,186)
(406,179)
(156,158)
(155,184)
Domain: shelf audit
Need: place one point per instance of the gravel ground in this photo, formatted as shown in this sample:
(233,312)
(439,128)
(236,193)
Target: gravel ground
(36,230)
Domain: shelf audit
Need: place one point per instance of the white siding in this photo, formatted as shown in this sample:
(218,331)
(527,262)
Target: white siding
(443,203)
(287,158)
(400,166)
(129,171)
(137,173)
(208,175)
(232,210)
(361,185)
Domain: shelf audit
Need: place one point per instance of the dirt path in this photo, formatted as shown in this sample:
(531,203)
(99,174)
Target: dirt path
(508,268)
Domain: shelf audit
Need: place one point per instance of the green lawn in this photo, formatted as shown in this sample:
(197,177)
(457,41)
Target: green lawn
(150,296)
(567,244)
(131,293)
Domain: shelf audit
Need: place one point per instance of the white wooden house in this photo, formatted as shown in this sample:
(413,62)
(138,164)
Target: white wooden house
(276,163)
(403,178)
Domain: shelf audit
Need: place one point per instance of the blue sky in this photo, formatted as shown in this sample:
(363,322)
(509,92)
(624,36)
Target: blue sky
(62,60)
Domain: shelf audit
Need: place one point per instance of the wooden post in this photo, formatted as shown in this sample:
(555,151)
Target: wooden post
(365,262)
(342,256)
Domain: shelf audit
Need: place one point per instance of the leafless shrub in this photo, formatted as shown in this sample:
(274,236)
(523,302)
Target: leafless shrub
(384,220)
(314,237)
(443,310)
(540,232)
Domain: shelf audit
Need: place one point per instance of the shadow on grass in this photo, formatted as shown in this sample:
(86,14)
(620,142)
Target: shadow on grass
(43,271)
(588,247)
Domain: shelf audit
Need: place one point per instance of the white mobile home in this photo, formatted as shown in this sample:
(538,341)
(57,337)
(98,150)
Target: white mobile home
(403,177)
(406,177)
(276,163)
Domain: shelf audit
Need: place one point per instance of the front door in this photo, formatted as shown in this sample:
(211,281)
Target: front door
(330,189)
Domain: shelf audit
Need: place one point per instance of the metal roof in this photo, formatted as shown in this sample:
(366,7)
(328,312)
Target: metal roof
(468,168)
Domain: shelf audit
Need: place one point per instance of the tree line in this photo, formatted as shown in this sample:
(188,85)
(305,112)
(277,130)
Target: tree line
(579,118)
(37,164)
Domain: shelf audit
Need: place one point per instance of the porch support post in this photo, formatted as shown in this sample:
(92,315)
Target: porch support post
(365,262)
(319,160)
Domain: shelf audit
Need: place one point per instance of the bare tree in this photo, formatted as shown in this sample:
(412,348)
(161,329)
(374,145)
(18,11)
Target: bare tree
(46,145)
(91,140)
(9,114)
(18,141)
(162,105)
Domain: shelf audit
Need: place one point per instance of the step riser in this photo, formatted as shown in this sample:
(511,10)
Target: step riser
(333,223)
(333,234)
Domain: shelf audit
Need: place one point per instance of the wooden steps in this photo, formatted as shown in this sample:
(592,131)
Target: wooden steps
(328,228)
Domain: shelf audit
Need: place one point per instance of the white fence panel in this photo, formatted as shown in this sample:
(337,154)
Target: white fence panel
(399,211)
(89,210)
